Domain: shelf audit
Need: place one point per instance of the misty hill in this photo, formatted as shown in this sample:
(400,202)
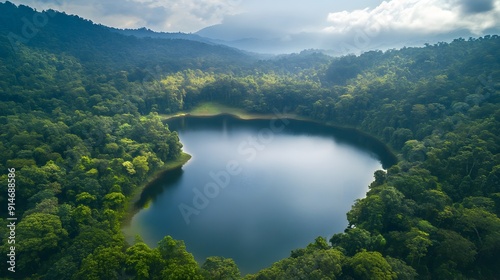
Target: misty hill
(145,33)
(98,45)
(266,40)
(253,39)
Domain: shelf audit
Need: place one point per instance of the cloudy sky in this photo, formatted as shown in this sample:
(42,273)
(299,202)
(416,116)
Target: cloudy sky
(358,24)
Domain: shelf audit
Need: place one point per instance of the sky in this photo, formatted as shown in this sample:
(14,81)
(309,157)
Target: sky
(296,24)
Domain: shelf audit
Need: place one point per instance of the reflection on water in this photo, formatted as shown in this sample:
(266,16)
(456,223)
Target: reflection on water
(253,193)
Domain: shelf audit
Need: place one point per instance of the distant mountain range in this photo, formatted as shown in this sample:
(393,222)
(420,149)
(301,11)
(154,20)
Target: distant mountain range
(212,35)
(260,40)
(263,42)
(145,33)
(60,31)
(94,44)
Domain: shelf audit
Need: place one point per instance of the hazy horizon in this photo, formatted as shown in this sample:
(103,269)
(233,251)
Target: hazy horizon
(290,26)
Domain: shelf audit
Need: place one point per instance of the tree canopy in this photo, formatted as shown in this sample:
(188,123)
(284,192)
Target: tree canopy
(81,113)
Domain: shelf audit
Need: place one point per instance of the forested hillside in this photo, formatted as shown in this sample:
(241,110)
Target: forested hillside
(100,47)
(80,111)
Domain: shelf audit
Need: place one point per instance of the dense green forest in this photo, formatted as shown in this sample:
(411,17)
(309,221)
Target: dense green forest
(80,118)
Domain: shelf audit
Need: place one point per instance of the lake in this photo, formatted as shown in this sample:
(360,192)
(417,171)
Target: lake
(256,189)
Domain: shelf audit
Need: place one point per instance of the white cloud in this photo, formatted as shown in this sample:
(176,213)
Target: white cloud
(419,16)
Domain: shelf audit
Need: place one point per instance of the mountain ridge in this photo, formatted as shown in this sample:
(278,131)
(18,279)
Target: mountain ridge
(92,43)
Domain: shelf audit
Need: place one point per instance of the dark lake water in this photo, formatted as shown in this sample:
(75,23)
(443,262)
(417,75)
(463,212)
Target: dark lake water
(256,189)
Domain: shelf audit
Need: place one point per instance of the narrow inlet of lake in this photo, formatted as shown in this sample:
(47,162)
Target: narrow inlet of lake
(256,189)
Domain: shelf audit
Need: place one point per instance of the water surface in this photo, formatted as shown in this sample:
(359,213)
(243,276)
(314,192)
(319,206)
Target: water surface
(255,190)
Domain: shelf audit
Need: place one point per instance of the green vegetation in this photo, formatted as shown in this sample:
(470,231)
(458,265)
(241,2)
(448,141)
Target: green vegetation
(136,199)
(178,162)
(80,118)
(209,109)
(214,108)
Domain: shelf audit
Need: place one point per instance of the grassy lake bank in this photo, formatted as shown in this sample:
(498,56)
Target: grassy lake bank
(136,196)
(207,109)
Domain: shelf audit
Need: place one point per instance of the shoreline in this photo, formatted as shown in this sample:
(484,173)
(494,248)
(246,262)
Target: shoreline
(213,109)
(205,109)
(136,195)
(210,109)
